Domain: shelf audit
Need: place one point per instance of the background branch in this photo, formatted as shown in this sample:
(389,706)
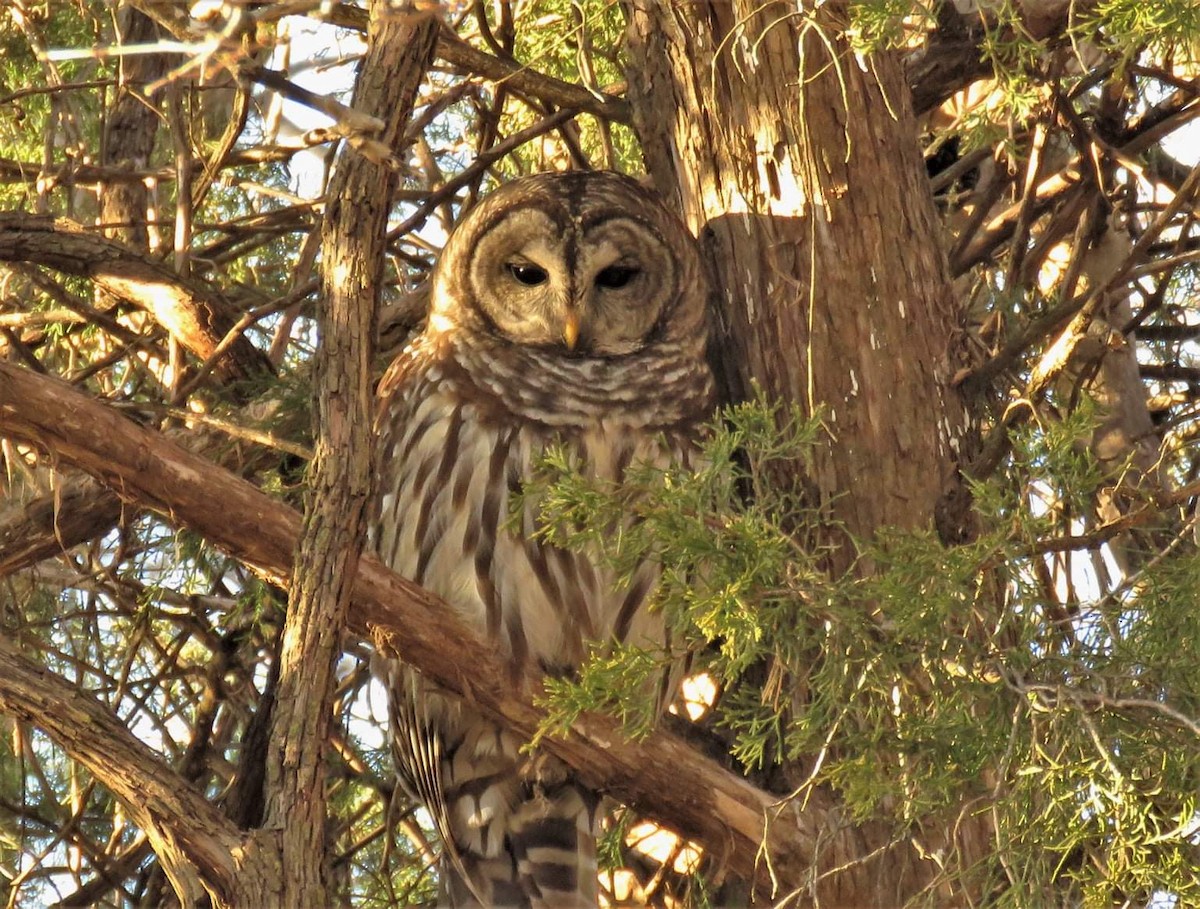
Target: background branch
(197,316)
(193,839)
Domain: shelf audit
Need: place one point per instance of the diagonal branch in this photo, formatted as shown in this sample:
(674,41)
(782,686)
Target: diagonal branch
(79,509)
(194,840)
(195,314)
(525,81)
(660,775)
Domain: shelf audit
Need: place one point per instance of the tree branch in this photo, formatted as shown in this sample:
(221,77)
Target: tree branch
(195,842)
(525,81)
(79,510)
(195,315)
(522,80)
(946,63)
(660,775)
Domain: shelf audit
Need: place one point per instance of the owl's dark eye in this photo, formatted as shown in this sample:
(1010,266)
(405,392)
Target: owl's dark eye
(529,275)
(615,276)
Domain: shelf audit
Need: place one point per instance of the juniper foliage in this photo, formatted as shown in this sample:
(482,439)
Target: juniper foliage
(927,679)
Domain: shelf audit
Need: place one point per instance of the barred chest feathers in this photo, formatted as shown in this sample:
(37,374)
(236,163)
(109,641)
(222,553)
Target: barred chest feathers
(451,462)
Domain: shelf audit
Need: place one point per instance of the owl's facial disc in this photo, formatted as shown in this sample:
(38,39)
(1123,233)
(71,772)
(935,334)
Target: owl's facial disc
(530,275)
(585,287)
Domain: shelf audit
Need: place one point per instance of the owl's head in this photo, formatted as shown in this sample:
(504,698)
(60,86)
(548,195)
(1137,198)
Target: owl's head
(586,264)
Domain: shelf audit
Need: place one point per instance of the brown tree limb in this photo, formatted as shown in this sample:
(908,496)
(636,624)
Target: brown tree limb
(195,314)
(194,841)
(948,61)
(1173,372)
(80,510)
(120,866)
(525,81)
(660,775)
(75,173)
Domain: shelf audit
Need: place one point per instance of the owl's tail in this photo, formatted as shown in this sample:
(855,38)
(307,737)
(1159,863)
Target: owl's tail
(548,857)
(554,839)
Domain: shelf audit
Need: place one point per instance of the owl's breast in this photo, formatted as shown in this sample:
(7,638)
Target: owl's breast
(449,472)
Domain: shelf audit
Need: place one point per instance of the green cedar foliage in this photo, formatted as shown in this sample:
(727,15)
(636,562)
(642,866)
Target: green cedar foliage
(927,679)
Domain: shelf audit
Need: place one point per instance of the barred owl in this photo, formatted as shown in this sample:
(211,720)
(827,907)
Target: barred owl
(568,309)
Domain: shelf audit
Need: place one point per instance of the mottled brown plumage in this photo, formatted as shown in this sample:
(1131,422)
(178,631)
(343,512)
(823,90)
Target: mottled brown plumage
(565,308)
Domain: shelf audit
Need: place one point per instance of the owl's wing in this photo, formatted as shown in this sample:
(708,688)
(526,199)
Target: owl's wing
(413,360)
(417,715)
(416,745)
(419,755)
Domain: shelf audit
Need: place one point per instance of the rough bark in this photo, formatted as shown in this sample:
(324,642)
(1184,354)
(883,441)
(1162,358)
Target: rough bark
(832,283)
(799,165)
(399,50)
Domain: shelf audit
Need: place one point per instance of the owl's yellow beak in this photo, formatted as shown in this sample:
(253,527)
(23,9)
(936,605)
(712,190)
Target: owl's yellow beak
(571,330)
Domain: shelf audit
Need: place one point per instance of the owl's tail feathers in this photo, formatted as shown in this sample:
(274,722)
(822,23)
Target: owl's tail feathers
(471,881)
(554,842)
(548,860)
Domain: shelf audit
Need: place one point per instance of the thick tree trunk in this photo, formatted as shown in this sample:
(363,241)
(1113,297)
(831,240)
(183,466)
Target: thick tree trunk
(799,167)
(802,173)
